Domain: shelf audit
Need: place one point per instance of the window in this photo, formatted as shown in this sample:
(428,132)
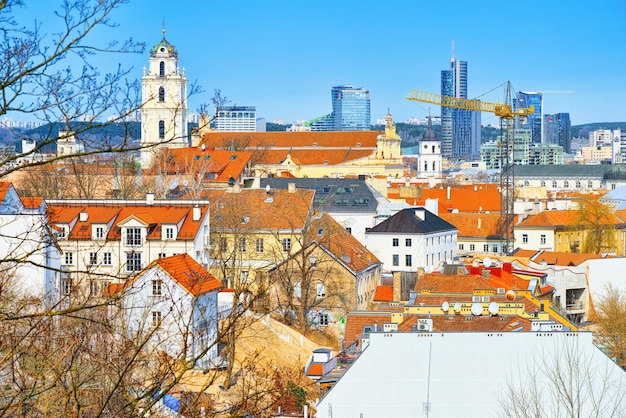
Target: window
(162,68)
(242,245)
(66,285)
(494,248)
(156,318)
(321,290)
(472,247)
(223,244)
(161,129)
(486,248)
(161,94)
(259,244)
(99,232)
(396,260)
(590,184)
(161,255)
(93,288)
(554,185)
(578,184)
(133,262)
(461,247)
(543,238)
(566,184)
(93,258)
(297,289)
(322,318)
(349,230)
(395,242)
(525,238)
(169,232)
(408,260)
(106,259)
(286,244)
(157,287)
(407,242)
(69,258)
(133,237)
(244,276)
(543,183)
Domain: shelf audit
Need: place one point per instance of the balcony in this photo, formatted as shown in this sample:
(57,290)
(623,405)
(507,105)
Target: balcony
(574,306)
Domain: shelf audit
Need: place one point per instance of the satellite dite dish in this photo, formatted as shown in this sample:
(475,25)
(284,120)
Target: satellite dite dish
(445,306)
(493,308)
(487,262)
(457,306)
(477,309)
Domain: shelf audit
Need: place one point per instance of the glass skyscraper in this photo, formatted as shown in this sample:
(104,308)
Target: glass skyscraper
(459,137)
(351,108)
(534,121)
(558,130)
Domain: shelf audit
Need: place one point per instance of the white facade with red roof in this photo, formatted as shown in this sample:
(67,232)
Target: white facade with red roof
(174,301)
(107,241)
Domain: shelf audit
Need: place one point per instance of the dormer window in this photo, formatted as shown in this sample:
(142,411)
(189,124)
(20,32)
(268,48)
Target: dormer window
(98,232)
(169,233)
(133,237)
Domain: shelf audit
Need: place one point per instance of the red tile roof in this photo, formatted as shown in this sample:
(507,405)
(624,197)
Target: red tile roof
(383,294)
(558,218)
(188,273)
(292,140)
(475,198)
(556,258)
(474,224)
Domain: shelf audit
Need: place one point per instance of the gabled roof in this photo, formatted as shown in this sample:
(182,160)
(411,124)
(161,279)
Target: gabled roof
(383,294)
(341,244)
(408,221)
(188,273)
(4,188)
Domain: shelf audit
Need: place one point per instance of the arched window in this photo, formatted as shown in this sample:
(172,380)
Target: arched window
(161,94)
(554,185)
(578,184)
(543,183)
(161,129)
(425,165)
(566,184)
(434,166)
(526,183)
(590,184)
(162,68)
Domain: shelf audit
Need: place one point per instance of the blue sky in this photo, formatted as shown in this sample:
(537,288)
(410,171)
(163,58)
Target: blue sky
(284,56)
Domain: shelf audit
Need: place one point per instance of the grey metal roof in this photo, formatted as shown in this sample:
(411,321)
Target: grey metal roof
(565,170)
(332,194)
(407,222)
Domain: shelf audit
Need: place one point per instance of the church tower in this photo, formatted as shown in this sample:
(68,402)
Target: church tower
(388,145)
(429,165)
(164,98)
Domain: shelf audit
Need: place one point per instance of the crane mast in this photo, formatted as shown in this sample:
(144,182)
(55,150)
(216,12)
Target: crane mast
(507,115)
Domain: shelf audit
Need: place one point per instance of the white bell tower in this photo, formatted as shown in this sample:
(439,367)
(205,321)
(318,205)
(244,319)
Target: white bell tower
(164,103)
(430,160)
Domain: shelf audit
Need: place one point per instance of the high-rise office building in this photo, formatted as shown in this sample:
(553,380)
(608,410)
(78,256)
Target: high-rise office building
(236,119)
(459,137)
(558,130)
(351,111)
(534,121)
(351,108)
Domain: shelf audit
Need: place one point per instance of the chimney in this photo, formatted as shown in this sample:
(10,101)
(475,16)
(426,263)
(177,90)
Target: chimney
(149,199)
(196,213)
(291,187)
(83,216)
(479,223)
(448,193)
(421,214)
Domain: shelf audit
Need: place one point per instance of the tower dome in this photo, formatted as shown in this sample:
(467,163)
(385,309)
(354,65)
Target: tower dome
(163,47)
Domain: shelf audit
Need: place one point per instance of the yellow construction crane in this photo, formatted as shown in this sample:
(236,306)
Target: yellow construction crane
(507,179)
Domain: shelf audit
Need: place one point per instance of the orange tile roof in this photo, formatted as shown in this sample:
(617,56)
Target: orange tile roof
(289,140)
(214,165)
(343,245)
(474,224)
(556,258)
(113,213)
(558,218)
(32,202)
(280,209)
(383,294)
(479,198)
(188,273)
(467,283)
